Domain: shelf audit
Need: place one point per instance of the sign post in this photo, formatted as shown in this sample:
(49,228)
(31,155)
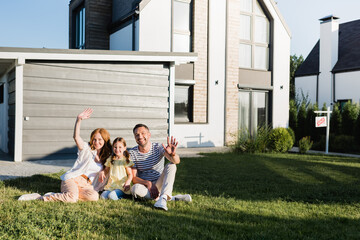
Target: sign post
(323,121)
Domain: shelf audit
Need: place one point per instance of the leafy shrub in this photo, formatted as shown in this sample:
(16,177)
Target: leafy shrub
(246,142)
(292,133)
(305,144)
(292,114)
(301,125)
(349,115)
(335,120)
(343,143)
(280,140)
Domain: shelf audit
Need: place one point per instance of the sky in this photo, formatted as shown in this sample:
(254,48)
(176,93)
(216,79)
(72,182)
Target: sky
(45,23)
(302,17)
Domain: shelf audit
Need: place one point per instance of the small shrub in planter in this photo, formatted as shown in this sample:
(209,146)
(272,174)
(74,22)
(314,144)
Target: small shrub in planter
(280,140)
(305,144)
(252,143)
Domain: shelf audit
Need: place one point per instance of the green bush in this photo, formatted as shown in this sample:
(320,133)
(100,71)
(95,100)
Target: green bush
(292,114)
(335,120)
(343,143)
(280,140)
(292,133)
(301,124)
(305,144)
(349,115)
(252,143)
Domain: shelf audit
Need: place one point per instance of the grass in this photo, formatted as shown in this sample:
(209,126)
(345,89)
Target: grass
(257,196)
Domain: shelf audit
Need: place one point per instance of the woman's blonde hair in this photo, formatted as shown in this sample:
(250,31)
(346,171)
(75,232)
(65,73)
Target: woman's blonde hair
(126,153)
(105,151)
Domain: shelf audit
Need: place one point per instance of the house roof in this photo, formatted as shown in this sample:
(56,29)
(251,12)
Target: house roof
(9,56)
(349,52)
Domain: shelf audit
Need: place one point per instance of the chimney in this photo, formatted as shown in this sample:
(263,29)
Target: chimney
(329,44)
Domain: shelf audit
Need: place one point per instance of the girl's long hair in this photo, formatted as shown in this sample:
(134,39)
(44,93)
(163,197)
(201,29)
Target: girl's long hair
(126,153)
(106,150)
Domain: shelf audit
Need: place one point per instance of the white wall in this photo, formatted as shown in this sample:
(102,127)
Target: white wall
(306,85)
(281,69)
(4,117)
(212,133)
(155,26)
(347,86)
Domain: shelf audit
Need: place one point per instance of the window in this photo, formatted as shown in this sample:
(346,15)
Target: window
(254,36)
(80,28)
(253,110)
(183,102)
(182,23)
(342,103)
(2,93)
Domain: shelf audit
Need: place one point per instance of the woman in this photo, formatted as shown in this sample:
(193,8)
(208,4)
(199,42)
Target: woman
(77,182)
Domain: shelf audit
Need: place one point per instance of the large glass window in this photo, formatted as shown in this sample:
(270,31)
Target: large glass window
(183,103)
(80,28)
(182,15)
(253,110)
(254,36)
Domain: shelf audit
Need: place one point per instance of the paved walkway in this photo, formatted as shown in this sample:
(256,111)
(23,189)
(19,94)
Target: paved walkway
(10,169)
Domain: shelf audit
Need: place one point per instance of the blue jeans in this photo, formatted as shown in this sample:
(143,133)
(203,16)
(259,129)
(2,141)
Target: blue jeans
(113,195)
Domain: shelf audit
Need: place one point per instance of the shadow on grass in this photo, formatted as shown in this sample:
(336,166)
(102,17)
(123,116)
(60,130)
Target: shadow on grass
(289,177)
(37,183)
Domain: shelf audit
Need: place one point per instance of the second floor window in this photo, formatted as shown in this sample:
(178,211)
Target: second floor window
(254,36)
(182,24)
(80,28)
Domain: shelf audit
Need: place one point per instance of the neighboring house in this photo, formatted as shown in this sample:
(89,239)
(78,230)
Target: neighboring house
(331,71)
(241,76)
(43,90)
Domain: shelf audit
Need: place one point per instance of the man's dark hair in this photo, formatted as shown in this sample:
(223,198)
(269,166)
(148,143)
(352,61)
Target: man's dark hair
(140,125)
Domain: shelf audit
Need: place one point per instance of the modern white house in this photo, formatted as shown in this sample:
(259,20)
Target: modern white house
(196,69)
(331,71)
(241,77)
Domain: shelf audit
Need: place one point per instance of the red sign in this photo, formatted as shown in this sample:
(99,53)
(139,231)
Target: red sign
(320,122)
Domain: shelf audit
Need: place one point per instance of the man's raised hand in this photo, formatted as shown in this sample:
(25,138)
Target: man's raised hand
(171,146)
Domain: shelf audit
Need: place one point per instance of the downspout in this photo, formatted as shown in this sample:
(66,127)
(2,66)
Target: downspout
(171,97)
(226,67)
(19,97)
(317,88)
(333,90)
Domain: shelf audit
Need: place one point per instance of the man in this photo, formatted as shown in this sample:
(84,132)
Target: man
(151,179)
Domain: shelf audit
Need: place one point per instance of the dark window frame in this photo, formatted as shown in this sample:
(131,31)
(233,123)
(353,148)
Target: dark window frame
(2,93)
(189,108)
(79,39)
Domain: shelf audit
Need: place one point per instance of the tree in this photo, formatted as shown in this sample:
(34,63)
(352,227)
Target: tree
(295,63)
(335,120)
(301,126)
(292,115)
(349,116)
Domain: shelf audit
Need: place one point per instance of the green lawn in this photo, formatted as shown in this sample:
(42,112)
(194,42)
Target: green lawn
(259,196)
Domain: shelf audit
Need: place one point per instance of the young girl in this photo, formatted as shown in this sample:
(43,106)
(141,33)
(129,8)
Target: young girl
(119,166)
(77,182)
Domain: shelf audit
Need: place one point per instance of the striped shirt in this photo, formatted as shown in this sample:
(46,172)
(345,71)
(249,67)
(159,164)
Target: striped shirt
(149,165)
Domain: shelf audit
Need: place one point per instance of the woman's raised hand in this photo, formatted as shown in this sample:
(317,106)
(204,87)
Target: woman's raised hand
(85,114)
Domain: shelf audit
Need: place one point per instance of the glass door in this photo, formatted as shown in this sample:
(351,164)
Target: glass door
(253,110)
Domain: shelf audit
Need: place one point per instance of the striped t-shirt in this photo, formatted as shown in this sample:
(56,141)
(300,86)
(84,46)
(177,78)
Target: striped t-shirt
(149,165)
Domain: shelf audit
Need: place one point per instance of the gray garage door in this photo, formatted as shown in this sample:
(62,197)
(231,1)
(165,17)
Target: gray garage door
(121,94)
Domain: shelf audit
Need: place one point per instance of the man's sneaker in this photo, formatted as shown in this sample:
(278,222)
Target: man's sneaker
(161,203)
(185,198)
(28,197)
